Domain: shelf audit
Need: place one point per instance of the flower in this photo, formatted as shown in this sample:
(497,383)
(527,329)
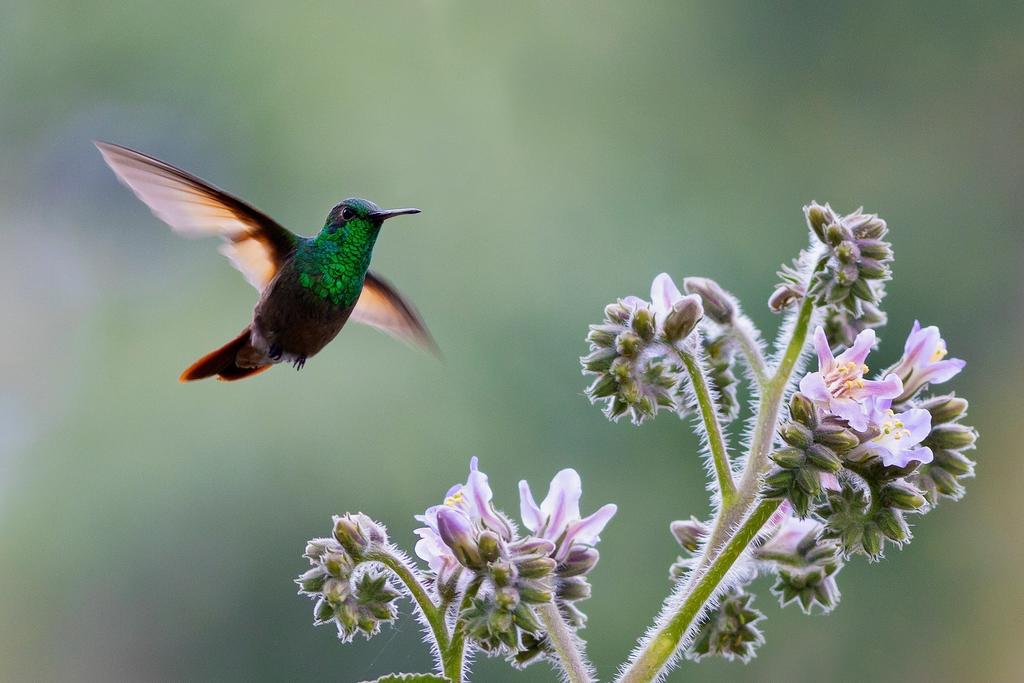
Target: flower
(557,518)
(839,388)
(448,539)
(675,314)
(899,434)
(924,361)
(791,530)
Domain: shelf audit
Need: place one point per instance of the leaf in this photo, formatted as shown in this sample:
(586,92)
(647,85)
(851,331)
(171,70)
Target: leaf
(410,678)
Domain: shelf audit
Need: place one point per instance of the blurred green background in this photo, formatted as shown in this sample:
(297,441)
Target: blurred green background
(563,154)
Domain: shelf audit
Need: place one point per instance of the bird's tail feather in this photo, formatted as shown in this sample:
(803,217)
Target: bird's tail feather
(223,363)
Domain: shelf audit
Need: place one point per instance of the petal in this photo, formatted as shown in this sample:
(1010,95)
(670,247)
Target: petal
(902,458)
(862,346)
(813,387)
(825,357)
(920,346)
(918,422)
(943,371)
(587,530)
(851,411)
(634,302)
(529,512)
(890,387)
(664,293)
(562,504)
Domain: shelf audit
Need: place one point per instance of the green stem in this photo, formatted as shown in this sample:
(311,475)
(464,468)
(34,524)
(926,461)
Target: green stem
(663,645)
(709,414)
(770,405)
(742,331)
(726,541)
(433,615)
(452,658)
(566,645)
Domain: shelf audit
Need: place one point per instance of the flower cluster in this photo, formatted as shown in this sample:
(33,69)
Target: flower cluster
(466,541)
(869,442)
(354,596)
(631,352)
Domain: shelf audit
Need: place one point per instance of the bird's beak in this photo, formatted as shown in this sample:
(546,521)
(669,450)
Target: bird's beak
(385,214)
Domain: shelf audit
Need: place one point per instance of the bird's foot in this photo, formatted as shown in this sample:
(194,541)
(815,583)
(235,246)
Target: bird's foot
(275,352)
(299,363)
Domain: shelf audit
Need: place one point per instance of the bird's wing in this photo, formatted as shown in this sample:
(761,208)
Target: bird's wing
(254,242)
(381,306)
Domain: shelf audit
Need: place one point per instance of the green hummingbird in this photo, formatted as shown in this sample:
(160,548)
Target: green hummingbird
(309,286)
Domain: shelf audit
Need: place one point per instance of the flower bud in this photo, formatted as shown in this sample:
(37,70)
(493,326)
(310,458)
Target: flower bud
(872,540)
(507,598)
(689,533)
(617,312)
(818,218)
(951,436)
(355,532)
(788,458)
(599,361)
(602,336)
(954,462)
(945,483)
(836,437)
(683,317)
(536,567)
(335,591)
(892,524)
(490,546)
(802,410)
(824,458)
(534,592)
(312,581)
(532,545)
(456,531)
(944,408)
(573,589)
(717,303)
(628,344)
(580,561)
(643,323)
(796,434)
(338,565)
(784,296)
(902,497)
(503,573)
(525,619)
(316,548)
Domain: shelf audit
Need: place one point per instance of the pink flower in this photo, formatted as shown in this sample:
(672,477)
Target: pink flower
(557,518)
(839,388)
(924,361)
(466,511)
(899,434)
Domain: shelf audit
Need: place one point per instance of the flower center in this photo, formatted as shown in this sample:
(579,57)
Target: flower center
(892,428)
(454,499)
(940,353)
(845,379)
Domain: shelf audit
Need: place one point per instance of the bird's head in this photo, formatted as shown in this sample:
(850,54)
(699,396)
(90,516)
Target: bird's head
(356,212)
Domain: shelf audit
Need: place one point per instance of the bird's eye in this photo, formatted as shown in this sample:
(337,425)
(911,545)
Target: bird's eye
(347,213)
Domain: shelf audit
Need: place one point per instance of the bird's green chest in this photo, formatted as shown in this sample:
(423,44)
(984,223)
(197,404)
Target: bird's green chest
(333,273)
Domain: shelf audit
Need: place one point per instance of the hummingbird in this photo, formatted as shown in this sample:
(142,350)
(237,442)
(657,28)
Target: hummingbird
(309,287)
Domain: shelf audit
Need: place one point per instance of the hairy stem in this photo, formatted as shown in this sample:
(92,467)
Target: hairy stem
(728,537)
(663,645)
(709,414)
(433,615)
(566,645)
(742,331)
(454,656)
